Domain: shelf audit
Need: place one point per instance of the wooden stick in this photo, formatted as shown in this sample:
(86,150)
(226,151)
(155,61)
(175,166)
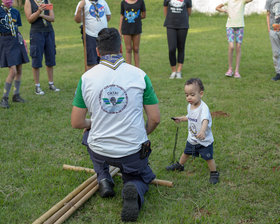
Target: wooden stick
(84,39)
(82,200)
(78,168)
(60,204)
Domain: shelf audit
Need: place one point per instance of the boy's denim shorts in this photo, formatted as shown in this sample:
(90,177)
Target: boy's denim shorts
(196,150)
(92,58)
(42,43)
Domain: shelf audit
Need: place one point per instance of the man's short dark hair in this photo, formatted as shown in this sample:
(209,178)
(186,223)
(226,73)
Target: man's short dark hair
(195,81)
(108,41)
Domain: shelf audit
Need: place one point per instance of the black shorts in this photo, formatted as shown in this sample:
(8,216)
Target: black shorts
(196,150)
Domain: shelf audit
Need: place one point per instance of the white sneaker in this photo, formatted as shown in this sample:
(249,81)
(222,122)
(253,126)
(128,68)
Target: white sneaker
(39,91)
(178,75)
(173,75)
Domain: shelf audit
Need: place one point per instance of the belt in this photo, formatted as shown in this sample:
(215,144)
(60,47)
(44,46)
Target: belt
(5,34)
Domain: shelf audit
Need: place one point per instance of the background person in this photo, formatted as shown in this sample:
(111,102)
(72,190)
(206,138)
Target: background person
(114,93)
(132,13)
(42,40)
(235,30)
(12,51)
(97,16)
(177,14)
(200,138)
(273,26)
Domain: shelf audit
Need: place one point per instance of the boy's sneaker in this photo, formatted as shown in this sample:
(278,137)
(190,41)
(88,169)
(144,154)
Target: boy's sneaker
(39,91)
(4,103)
(17,98)
(214,177)
(173,75)
(228,73)
(130,208)
(178,75)
(277,77)
(53,88)
(175,166)
(237,75)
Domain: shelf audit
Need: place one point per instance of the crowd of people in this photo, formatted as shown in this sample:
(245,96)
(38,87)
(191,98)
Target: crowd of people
(114,93)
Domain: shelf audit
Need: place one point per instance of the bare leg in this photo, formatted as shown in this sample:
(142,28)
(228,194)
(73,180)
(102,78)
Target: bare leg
(19,73)
(173,68)
(238,56)
(211,164)
(230,54)
(180,66)
(128,48)
(184,157)
(136,44)
(12,74)
(50,73)
(36,72)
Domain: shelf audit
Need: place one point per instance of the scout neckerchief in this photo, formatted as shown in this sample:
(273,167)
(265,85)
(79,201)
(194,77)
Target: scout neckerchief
(11,23)
(38,3)
(112,61)
(94,3)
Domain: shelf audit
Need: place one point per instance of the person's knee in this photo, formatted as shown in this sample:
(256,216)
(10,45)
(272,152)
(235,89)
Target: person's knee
(128,50)
(136,50)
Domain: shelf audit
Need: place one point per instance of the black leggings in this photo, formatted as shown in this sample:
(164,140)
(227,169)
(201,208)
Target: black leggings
(176,40)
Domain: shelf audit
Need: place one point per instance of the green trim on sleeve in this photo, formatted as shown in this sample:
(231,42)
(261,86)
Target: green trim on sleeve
(78,99)
(149,96)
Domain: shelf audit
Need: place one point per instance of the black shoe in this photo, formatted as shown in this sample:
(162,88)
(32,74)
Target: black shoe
(175,166)
(18,99)
(214,177)
(277,77)
(106,188)
(130,209)
(4,103)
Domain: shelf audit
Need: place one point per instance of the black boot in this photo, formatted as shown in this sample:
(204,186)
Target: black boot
(130,209)
(106,188)
(18,99)
(4,103)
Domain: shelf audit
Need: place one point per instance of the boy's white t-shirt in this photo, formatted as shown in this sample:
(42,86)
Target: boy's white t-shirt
(93,23)
(235,9)
(195,118)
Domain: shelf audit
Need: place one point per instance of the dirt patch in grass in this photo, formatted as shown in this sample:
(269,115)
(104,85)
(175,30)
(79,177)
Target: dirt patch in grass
(219,114)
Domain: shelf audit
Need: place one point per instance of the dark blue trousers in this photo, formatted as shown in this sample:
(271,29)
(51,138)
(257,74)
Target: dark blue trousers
(133,170)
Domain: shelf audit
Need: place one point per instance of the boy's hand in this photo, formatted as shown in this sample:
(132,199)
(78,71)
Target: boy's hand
(176,119)
(201,135)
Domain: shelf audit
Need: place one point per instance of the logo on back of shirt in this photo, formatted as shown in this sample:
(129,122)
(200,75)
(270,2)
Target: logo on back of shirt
(5,22)
(113,99)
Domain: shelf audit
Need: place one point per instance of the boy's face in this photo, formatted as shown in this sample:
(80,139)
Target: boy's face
(193,94)
(8,3)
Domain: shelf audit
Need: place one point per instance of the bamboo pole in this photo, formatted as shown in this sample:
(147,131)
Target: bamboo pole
(84,39)
(78,168)
(82,200)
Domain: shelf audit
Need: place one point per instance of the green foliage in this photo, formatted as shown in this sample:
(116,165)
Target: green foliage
(36,138)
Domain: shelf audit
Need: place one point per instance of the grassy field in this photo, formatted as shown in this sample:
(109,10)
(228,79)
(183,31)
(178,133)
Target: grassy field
(36,138)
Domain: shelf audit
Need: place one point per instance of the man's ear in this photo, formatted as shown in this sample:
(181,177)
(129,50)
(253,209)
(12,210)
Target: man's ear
(97,51)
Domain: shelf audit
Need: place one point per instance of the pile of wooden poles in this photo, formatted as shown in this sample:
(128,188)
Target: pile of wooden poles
(66,207)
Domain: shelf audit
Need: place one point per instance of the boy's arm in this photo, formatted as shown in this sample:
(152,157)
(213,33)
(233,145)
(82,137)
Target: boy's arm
(220,8)
(78,15)
(268,21)
(201,134)
(165,8)
(180,119)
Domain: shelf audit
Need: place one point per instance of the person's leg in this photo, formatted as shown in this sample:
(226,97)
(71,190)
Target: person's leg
(7,87)
(17,82)
(275,44)
(239,33)
(183,159)
(136,44)
(50,73)
(92,57)
(230,38)
(181,42)
(211,165)
(172,46)
(128,48)
(36,73)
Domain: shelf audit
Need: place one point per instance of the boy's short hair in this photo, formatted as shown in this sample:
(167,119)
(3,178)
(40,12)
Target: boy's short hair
(195,81)
(108,41)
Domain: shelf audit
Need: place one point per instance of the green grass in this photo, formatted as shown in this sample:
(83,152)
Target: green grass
(36,138)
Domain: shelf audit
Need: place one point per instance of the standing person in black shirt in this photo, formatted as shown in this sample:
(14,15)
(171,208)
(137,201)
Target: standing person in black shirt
(132,12)
(177,14)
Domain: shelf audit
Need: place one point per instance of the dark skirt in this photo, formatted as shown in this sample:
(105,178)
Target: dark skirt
(12,52)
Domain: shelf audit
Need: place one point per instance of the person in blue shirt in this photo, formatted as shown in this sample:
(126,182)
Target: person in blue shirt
(12,51)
